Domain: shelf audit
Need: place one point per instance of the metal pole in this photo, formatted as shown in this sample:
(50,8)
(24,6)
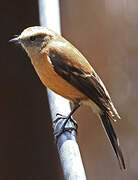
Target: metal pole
(67,146)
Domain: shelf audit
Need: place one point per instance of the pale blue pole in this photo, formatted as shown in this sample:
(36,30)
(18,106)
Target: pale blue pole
(68,149)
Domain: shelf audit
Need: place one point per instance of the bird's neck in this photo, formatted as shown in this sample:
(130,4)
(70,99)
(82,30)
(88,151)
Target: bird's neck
(36,58)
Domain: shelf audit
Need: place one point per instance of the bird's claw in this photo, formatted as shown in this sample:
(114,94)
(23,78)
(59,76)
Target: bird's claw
(64,123)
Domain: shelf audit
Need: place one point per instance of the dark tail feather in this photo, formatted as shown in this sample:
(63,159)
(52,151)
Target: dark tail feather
(113,138)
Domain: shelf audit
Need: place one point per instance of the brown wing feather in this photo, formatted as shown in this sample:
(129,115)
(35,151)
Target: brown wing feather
(87,83)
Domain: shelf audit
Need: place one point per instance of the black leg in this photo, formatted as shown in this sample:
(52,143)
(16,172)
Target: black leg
(66,119)
(70,114)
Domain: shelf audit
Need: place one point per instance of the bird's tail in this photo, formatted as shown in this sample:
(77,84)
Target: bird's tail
(106,121)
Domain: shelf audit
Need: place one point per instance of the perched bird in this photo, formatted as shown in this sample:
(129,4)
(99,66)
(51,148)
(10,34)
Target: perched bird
(64,70)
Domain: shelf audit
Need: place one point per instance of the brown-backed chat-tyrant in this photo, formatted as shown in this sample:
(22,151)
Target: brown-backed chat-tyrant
(64,70)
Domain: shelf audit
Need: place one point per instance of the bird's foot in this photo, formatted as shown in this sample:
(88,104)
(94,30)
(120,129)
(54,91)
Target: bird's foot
(64,123)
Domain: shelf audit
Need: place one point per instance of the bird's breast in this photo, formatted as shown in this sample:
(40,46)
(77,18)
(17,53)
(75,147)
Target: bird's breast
(52,80)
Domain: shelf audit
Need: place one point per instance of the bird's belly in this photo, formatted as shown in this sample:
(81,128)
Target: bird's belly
(61,87)
(56,83)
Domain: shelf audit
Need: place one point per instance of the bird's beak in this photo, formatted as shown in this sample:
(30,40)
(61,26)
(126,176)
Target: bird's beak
(15,40)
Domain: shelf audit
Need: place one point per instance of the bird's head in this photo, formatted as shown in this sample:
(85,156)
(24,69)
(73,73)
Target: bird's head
(34,39)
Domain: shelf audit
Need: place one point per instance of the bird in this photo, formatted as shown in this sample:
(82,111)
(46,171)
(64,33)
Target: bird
(62,68)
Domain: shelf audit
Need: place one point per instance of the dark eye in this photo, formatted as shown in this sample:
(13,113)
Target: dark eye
(32,38)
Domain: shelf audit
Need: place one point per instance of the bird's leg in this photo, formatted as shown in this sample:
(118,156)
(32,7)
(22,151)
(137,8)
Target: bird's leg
(70,114)
(65,120)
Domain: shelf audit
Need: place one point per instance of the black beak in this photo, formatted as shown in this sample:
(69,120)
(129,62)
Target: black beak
(15,40)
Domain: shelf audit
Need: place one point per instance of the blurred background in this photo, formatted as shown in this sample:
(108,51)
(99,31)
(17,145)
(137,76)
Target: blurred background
(106,33)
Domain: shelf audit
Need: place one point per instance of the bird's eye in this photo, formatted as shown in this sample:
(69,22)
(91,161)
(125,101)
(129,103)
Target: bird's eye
(32,38)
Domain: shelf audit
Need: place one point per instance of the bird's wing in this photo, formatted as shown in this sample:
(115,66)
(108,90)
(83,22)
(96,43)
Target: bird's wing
(86,82)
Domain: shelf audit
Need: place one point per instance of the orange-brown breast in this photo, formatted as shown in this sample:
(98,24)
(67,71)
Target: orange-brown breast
(52,80)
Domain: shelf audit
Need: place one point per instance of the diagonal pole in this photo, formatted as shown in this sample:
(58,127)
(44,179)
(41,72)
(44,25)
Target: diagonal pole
(68,149)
